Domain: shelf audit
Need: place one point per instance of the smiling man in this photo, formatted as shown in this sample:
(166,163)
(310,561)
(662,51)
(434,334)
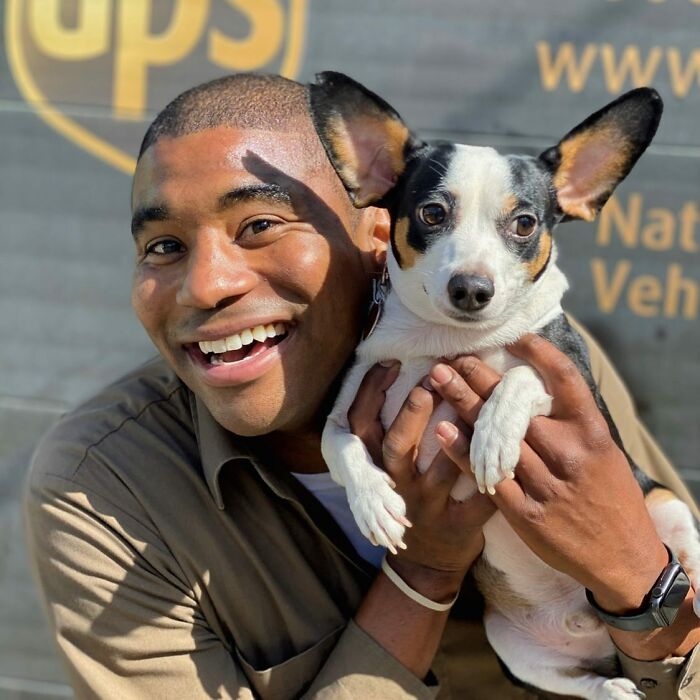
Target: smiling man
(185,533)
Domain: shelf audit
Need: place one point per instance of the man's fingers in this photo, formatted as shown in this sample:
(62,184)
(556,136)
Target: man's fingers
(371,393)
(561,376)
(480,377)
(455,390)
(404,435)
(364,413)
(449,462)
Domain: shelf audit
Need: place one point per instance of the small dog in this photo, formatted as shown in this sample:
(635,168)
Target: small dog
(472,265)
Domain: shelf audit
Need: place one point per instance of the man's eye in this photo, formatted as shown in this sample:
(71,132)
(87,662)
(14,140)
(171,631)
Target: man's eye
(163,247)
(259,226)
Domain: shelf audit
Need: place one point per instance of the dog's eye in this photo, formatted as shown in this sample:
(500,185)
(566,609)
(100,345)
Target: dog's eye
(433,214)
(523,225)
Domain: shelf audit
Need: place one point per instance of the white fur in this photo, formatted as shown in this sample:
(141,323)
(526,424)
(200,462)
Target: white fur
(555,632)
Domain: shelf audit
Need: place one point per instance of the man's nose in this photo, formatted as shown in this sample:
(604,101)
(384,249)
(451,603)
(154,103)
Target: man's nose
(217,271)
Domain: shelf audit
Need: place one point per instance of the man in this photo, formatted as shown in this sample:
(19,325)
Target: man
(177,550)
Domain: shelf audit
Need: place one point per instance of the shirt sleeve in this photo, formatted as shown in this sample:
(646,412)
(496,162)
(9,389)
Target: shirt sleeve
(128,624)
(125,624)
(676,677)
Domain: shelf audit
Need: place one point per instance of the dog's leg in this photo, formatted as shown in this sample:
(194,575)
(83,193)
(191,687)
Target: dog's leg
(379,511)
(547,669)
(677,528)
(502,424)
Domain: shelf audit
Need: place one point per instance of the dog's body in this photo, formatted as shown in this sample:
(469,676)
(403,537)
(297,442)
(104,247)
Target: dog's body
(472,268)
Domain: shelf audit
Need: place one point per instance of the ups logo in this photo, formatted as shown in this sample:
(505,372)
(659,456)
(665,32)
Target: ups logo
(97,70)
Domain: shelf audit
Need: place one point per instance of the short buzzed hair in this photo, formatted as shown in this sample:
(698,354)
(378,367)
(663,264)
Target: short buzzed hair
(243,100)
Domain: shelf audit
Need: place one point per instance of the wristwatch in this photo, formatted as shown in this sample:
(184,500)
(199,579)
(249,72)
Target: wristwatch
(660,605)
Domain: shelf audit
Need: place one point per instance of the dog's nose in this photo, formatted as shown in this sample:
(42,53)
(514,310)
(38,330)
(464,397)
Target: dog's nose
(470,293)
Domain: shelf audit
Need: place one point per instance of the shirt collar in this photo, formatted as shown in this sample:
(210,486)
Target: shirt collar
(218,447)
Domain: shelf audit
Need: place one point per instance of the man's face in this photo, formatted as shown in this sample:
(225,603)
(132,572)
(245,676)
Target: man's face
(239,229)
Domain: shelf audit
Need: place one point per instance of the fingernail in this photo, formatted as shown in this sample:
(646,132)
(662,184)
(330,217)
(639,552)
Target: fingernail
(446,431)
(427,384)
(441,374)
(389,363)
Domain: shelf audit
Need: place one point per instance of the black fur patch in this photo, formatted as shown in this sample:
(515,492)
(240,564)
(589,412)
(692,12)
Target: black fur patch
(423,183)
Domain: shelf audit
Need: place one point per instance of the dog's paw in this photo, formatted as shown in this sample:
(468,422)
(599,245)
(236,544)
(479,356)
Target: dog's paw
(494,453)
(379,511)
(618,689)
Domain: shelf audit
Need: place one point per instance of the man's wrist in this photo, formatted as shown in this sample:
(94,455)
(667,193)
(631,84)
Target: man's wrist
(436,584)
(625,589)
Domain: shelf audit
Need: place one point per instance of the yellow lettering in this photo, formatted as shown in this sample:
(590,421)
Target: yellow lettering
(262,44)
(658,233)
(137,49)
(627,224)
(607,291)
(629,66)
(645,293)
(577,70)
(675,284)
(689,216)
(682,77)
(88,39)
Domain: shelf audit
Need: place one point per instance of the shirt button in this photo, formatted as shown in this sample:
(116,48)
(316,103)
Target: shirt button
(648,683)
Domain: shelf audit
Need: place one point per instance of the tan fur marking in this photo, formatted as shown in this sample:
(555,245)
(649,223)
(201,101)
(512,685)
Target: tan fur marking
(577,195)
(659,495)
(509,204)
(407,253)
(534,267)
(496,592)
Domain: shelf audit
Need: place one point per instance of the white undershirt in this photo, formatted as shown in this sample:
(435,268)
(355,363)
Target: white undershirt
(332,497)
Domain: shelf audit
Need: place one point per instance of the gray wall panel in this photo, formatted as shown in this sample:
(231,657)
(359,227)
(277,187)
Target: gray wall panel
(482,72)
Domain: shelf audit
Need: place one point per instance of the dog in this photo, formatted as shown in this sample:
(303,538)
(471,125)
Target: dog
(472,267)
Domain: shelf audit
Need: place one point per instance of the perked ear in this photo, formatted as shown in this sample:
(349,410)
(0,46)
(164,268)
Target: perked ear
(592,159)
(364,137)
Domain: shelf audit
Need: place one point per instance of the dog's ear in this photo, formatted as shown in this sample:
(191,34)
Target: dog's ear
(592,159)
(364,137)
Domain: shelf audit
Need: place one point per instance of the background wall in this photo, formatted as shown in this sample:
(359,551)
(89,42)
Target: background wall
(80,79)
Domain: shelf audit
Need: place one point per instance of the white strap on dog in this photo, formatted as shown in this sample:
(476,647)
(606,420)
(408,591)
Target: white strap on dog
(412,594)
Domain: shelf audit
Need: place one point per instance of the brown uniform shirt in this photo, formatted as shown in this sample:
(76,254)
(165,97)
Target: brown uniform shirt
(174,564)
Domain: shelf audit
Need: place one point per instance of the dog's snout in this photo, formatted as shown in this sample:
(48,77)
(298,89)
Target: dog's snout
(469,292)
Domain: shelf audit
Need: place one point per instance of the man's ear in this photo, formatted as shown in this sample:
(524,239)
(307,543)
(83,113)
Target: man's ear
(364,137)
(592,159)
(374,228)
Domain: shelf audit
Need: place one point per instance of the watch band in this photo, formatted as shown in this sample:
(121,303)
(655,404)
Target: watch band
(660,605)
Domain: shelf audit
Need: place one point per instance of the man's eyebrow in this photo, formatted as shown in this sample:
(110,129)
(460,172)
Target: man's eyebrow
(145,214)
(270,192)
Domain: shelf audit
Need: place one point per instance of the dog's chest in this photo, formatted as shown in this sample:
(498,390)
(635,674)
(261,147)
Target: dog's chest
(413,371)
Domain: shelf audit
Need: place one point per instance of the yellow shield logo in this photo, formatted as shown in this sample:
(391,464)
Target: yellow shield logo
(98,70)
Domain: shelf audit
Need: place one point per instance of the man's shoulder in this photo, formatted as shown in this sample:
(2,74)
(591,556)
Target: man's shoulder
(145,413)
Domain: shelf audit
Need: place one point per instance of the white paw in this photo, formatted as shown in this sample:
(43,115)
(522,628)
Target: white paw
(379,511)
(618,689)
(494,452)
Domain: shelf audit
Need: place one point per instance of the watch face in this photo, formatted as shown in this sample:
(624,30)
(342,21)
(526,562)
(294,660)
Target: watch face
(675,596)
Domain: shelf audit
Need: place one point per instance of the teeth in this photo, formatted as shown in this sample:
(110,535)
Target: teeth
(245,337)
(233,342)
(260,334)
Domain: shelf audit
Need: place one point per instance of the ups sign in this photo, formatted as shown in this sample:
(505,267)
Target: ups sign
(83,64)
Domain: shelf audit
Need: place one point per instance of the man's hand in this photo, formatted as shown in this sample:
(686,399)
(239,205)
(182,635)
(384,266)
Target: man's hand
(574,500)
(446,536)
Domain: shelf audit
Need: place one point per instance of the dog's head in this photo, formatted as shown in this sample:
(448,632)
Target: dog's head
(472,229)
